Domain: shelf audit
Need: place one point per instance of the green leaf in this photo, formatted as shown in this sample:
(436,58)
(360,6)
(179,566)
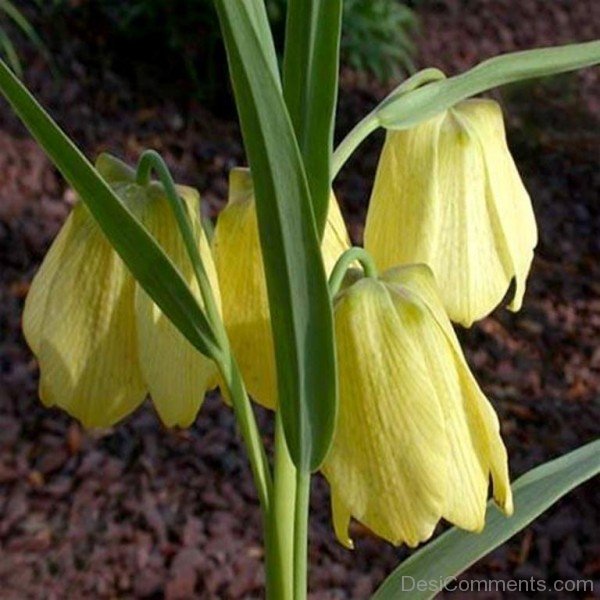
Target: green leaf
(257,12)
(403,111)
(454,551)
(301,315)
(142,255)
(310,83)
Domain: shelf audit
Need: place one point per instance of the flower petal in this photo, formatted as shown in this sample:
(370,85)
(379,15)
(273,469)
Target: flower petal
(341,520)
(335,238)
(508,201)
(466,263)
(80,323)
(404,215)
(177,375)
(37,296)
(473,429)
(238,259)
(387,465)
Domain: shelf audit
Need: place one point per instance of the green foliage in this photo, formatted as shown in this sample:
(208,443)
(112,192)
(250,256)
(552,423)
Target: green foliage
(376,35)
(401,111)
(296,282)
(11,16)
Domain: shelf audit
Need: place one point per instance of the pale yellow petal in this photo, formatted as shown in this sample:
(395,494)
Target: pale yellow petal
(467,265)
(177,375)
(81,325)
(37,297)
(467,469)
(508,201)
(341,517)
(404,201)
(473,429)
(335,237)
(238,259)
(387,465)
(485,427)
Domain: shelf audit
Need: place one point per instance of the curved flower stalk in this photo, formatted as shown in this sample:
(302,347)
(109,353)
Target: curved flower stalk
(416,439)
(447,193)
(238,260)
(101,342)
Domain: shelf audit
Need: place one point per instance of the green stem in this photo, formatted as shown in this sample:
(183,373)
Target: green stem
(280,541)
(247,423)
(152,161)
(301,511)
(412,83)
(345,260)
(370,123)
(352,141)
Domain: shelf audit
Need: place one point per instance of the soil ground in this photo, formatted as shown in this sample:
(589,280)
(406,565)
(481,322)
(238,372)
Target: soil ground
(143,512)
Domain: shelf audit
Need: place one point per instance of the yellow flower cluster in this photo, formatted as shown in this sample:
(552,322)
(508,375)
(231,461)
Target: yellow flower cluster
(449,225)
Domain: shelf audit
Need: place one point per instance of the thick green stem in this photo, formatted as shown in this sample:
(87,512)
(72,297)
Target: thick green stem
(280,543)
(301,511)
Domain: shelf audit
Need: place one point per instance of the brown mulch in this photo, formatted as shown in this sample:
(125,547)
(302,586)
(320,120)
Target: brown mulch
(143,512)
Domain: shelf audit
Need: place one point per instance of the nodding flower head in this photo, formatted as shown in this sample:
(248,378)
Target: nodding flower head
(447,193)
(416,439)
(101,342)
(238,257)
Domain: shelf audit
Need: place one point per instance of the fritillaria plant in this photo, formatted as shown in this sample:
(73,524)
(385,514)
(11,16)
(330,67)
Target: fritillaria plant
(352,349)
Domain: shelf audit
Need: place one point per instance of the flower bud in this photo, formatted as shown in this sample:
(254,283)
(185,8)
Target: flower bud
(416,439)
(447,193)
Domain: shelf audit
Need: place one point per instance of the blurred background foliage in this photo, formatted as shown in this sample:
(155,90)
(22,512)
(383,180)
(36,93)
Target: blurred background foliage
(179,44)
(13,18)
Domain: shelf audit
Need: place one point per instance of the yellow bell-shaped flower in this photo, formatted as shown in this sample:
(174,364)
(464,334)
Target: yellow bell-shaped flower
(101,343)
(447,193)
(238,258)
(416,439)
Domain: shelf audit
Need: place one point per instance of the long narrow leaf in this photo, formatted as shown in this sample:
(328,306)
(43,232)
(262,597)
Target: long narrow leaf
(310,83)
(257,12)
(456,550)
(144,258)
(300,307)
(400,112)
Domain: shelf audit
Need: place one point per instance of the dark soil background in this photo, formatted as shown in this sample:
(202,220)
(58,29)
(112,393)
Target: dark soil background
(142,512)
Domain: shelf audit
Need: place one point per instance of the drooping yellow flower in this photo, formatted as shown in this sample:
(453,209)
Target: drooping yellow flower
(101,343)
(416,439)
(238,258)
(447,193)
